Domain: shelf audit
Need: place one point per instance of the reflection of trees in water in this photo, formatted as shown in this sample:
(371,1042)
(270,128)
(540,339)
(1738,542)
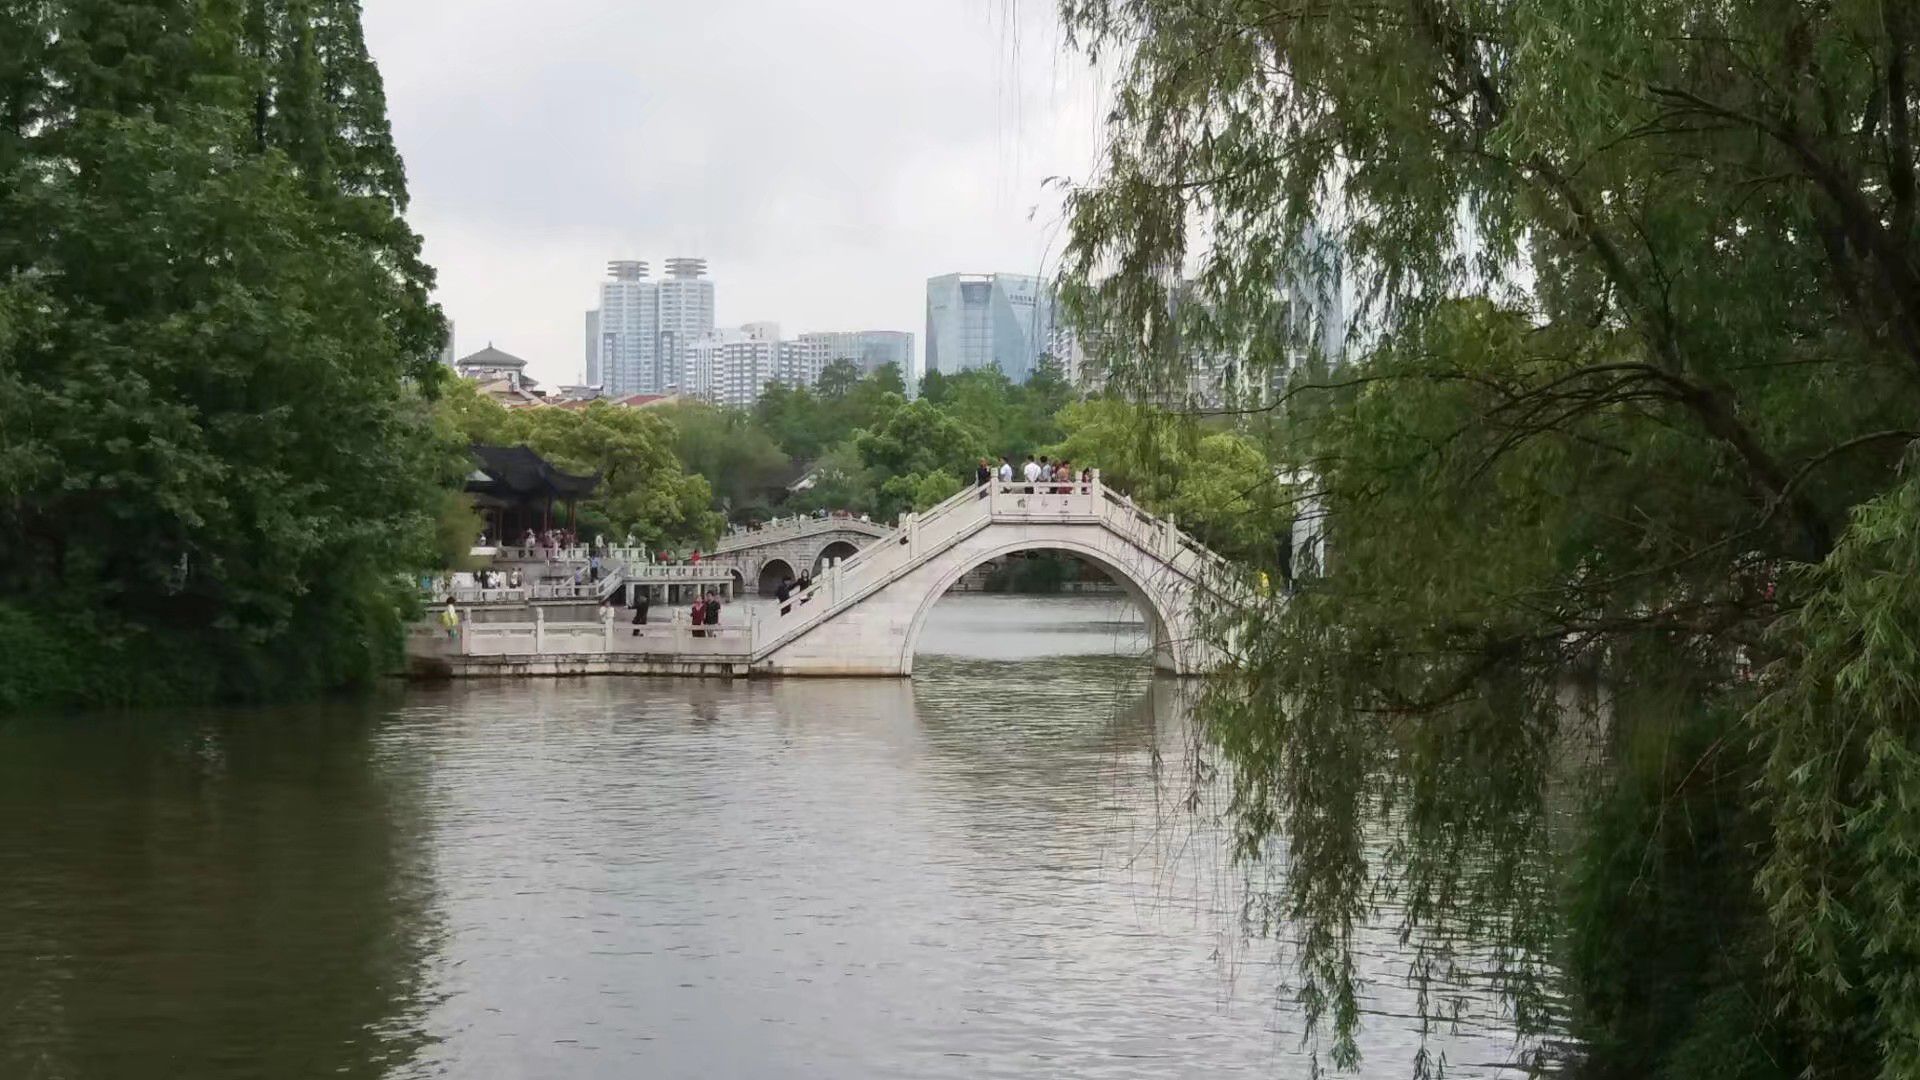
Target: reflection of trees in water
(1050,741)
(211,895)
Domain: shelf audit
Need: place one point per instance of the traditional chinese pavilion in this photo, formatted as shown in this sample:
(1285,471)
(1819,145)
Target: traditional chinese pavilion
(516,490)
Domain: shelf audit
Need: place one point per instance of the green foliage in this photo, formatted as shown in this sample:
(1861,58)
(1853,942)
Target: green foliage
(919,457)
(1841,731)
(739,460)
(915,492)
(644,489)
(1038,572)
(837,380)
(842,481)
(1011,419)
(804,423)
(1219,486)
(1669,852)
(214,339)
(1641,292)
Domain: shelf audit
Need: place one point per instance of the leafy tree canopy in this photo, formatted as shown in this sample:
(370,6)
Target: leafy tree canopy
(920,442)
(1638,295)
(214,338)
(738,458)
(644,490)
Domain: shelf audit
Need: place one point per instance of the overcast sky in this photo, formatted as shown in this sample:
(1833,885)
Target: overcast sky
(825,156)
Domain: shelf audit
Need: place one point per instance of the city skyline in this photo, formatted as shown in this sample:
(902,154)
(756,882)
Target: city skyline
(825,211)
(649,335)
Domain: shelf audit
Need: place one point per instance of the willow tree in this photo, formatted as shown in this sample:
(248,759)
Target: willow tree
(1639,313)
(214,331)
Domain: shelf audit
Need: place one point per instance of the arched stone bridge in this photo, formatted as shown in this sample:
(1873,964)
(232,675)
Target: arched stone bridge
(801,546)
(864,614)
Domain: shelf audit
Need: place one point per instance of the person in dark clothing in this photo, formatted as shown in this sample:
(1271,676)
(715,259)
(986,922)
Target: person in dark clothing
(641,601)
(983,473)
(713,609)
(783,592)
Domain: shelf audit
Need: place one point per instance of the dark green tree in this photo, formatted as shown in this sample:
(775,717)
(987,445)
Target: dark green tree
(214,338)
(795,420)
(933,387)
(918,458)
(837,379)
(888,379)
(739,460)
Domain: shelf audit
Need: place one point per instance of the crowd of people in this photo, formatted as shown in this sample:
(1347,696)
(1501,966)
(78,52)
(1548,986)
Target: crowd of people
(490,578)
(1041,475)
(551,543)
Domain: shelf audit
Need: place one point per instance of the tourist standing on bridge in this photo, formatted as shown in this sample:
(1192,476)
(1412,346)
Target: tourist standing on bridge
(642,598)
(1006,469)
(1031,472)
(982,474)
(450,619)
(713,609)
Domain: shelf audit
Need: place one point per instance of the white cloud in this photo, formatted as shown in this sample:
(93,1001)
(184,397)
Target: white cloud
(826,157)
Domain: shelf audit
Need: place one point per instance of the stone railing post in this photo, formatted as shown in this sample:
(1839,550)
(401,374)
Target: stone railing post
(835,576)
(606,629)
(539,631)
(913,535)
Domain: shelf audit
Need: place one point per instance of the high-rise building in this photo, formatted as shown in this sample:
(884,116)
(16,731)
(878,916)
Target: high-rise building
(732,367)
(686,315)
(629,330)
(642,332)
(981,320)
(591,375)
(868,350)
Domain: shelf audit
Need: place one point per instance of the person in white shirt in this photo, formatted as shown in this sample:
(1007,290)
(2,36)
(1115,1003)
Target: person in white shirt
(1006,470)
(1032,472)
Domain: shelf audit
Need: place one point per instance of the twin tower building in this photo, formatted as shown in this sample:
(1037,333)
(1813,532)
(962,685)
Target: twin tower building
(657,336)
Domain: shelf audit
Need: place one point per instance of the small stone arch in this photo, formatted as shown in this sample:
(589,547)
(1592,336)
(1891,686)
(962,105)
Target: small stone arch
(833,551)
(1171,649)
(771,572)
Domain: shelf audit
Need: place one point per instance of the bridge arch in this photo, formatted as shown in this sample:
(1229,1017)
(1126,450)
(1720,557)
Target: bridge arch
(833,551)
(1158,605)
(771,572)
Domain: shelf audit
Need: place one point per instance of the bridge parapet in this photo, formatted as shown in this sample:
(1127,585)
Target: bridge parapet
(796,528)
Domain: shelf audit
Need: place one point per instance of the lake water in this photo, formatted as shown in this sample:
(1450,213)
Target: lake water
(978,873)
